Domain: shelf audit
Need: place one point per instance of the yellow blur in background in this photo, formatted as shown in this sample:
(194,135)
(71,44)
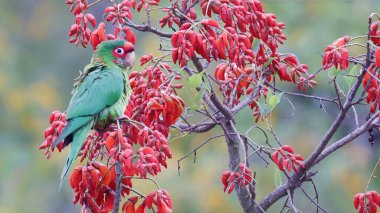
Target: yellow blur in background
(37,68)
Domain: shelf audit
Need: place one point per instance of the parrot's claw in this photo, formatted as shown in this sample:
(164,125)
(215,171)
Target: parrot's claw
(123,117)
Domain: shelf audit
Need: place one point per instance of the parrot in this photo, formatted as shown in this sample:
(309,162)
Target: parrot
(100,95)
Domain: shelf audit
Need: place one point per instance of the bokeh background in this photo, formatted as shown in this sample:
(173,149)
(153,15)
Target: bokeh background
(37,68)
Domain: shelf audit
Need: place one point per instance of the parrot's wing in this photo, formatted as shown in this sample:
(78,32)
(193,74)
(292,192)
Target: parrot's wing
(100,89)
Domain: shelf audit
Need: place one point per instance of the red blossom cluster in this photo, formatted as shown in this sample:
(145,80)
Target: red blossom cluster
(116,14)
(247,16)
(241,178)
(336,54)
(285,158)
(367,202)
(230,41)
(232,77)
(146,4)
(159,198)
(170,19)
(99,35)
(371,83)
(371,86)
(145,59)
(375,33)
(58,122)
(187,41)
(94,187)
(80,31)
(290,69)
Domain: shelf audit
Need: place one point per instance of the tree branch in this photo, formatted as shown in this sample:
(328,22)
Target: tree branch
(233,138)
(247,101)
(203,127)
(119,175)
(297,179)
(147,28)
(302,95)
(348,138)
(342,114)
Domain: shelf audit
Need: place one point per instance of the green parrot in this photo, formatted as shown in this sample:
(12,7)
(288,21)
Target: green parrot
(100,95)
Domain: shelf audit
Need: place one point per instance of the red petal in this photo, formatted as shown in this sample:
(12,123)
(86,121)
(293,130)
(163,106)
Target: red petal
(377,57)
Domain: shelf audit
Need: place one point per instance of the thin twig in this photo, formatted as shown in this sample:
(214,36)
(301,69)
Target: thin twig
(147,28)
(119,175)
(290,196)
(372,175)
(312,200)
(194,150)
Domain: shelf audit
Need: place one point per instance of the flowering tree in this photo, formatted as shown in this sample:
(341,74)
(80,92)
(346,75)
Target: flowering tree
(241,41)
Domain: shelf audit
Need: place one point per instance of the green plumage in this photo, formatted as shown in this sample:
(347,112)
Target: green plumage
(100,96)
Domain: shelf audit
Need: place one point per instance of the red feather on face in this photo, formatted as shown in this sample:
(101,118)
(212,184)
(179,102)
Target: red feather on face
(122,51)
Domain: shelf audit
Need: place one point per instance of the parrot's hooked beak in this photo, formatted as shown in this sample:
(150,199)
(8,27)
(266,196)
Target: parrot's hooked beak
(130,60)
(130,57)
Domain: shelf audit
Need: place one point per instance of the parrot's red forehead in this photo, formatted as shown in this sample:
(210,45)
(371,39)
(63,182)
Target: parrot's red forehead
(128,47)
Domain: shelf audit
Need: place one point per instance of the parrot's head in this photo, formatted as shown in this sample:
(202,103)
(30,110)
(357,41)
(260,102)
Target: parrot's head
(119,52)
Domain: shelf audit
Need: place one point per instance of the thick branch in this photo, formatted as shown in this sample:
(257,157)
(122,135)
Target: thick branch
(348,138)
(221,107)
(233,139)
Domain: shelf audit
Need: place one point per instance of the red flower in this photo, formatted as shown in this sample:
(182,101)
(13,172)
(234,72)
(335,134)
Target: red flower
(58,122)
(145,59)
(98,35)
(375,33)
(119,12)
(161,200)
(368,202)
(371,86)
(284,157)
(129,206)
(241,178)
(336,54)
(377,57)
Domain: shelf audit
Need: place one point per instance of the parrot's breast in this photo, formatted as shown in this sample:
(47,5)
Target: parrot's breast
(112,113)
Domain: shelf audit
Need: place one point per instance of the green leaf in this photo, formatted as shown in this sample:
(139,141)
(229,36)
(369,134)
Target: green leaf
(333,72)
(277,177)
(199,95)
(264,109)
(196,105)
(268,62)
(271,103)
(183,74)
(353,72)
(274,100)
(195,80)
(207,86)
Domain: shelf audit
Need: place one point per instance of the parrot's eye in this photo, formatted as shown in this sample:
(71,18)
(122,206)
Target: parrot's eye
(119,51)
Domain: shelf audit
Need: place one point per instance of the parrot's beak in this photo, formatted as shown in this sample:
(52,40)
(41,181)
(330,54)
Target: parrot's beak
(130,60)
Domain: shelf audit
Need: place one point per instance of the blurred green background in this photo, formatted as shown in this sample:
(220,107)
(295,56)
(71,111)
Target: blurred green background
(37,68)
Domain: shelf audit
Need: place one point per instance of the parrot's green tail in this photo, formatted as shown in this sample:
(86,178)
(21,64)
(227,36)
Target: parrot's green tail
(78,140)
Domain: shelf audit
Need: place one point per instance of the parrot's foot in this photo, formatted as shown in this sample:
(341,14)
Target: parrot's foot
(123,117)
